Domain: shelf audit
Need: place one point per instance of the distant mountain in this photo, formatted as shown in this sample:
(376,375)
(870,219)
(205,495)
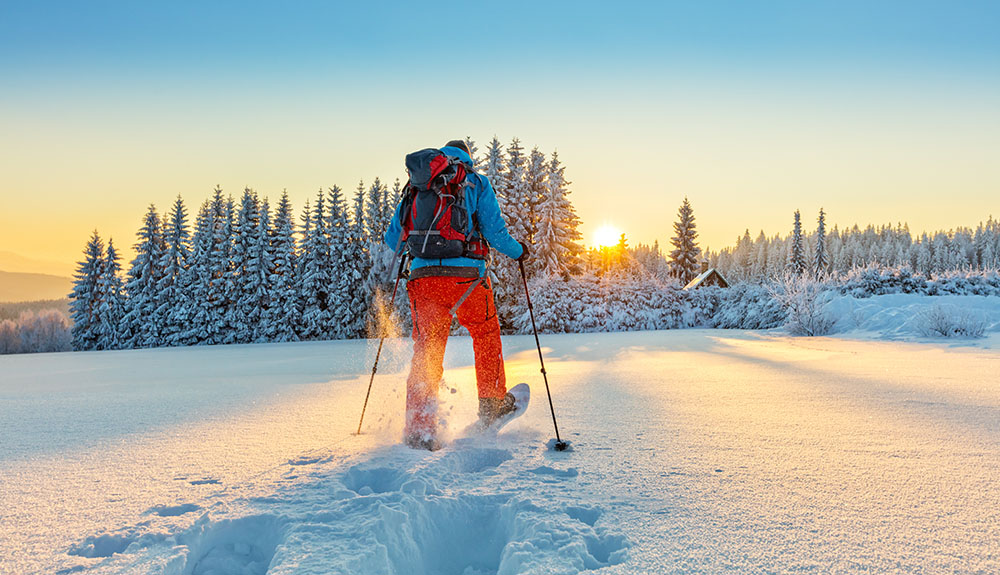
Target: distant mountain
(15,287)
(12,262)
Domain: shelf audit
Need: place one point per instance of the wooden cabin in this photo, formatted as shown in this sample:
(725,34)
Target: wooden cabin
(707,277)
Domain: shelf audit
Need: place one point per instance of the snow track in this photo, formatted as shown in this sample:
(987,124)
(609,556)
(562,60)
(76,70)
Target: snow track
(398,512)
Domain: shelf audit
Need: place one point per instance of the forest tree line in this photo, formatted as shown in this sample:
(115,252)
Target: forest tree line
(246,272)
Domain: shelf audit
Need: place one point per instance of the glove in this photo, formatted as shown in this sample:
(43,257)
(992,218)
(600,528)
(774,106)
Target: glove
(525,253)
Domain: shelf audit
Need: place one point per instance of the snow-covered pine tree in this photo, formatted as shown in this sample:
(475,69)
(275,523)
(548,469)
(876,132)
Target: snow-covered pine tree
(260,265)
(86,297)
(514,206)
(143,323)
(315,281)
(283,313)
(171,288)
(556,244)
(199,292)
(352,276)
(742,256)
(924,257)
(394,197)
(477,162)
(821,263)
(777,257)
(379,212)
(217,271)
(228,273)
(758,266)
(537,172)
(684,256)
(990,254)
(495,167)
(112,305)
(516,203)
(248,272)
(797,255)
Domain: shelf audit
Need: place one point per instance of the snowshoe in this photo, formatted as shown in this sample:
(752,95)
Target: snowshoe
(495,413)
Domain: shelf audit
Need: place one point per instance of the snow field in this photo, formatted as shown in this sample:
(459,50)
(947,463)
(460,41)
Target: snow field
(695,451)
(908,316)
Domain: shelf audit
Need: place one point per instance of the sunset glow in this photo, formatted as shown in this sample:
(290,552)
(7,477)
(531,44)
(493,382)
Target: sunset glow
(606,236)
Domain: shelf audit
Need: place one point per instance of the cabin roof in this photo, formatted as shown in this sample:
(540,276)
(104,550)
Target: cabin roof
(704,277)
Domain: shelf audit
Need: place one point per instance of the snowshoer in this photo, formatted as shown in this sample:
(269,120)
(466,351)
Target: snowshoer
(449,276)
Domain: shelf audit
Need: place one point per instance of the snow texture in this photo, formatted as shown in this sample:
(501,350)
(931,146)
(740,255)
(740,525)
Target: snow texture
(693,451)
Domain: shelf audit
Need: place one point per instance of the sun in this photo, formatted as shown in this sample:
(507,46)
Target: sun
(607,236)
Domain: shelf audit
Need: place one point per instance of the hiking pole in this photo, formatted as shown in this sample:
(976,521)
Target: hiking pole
(560,444)
(381,340)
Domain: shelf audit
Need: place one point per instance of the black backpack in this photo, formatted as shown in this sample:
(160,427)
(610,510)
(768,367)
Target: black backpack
(433,213)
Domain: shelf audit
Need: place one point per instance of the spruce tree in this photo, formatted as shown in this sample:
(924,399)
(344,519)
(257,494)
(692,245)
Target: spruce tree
(537,170)
(477,162)
(112,305)
(258,298)
(199,293)
(356,269)
(248,273)
(86,297)
(315,281)
(516,203)
(229,274)
(172,288)
(495,168)
(380,255)
(142,320)
(556,246)
(684,256)
(821,261)
(797,255)
(283,313)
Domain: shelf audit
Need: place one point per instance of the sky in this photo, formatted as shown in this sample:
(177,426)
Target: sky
(877,112)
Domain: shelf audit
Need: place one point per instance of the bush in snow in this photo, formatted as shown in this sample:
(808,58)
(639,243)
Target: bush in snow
(596,304)
(875,280)
(940,321)
(802,298)
(746,306)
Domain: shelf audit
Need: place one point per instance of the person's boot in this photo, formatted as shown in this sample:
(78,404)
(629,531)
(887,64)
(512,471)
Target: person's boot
(493,408)
(421,441)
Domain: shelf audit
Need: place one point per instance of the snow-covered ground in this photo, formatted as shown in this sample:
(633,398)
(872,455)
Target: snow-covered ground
(695,451)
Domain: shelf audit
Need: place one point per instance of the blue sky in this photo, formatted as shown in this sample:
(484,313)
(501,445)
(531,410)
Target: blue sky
(873,110)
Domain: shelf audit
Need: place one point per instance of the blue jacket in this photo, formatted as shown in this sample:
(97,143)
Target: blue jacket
(481,200)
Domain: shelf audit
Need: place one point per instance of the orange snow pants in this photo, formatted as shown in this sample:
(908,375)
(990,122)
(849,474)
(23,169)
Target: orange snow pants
(431,301)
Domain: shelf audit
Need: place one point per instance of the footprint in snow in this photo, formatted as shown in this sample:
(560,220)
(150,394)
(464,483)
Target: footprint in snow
(552,472)
(370,480)
(245,546)
(174,510)
(308,460)
(476,460)
(205,482)
(107,544)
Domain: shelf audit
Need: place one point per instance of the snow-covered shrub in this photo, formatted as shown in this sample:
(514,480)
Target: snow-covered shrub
(804,301)
(875,280)
(940,321)
(10,337)
(595,304)
(747,306)
(965,283)
(46,331)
